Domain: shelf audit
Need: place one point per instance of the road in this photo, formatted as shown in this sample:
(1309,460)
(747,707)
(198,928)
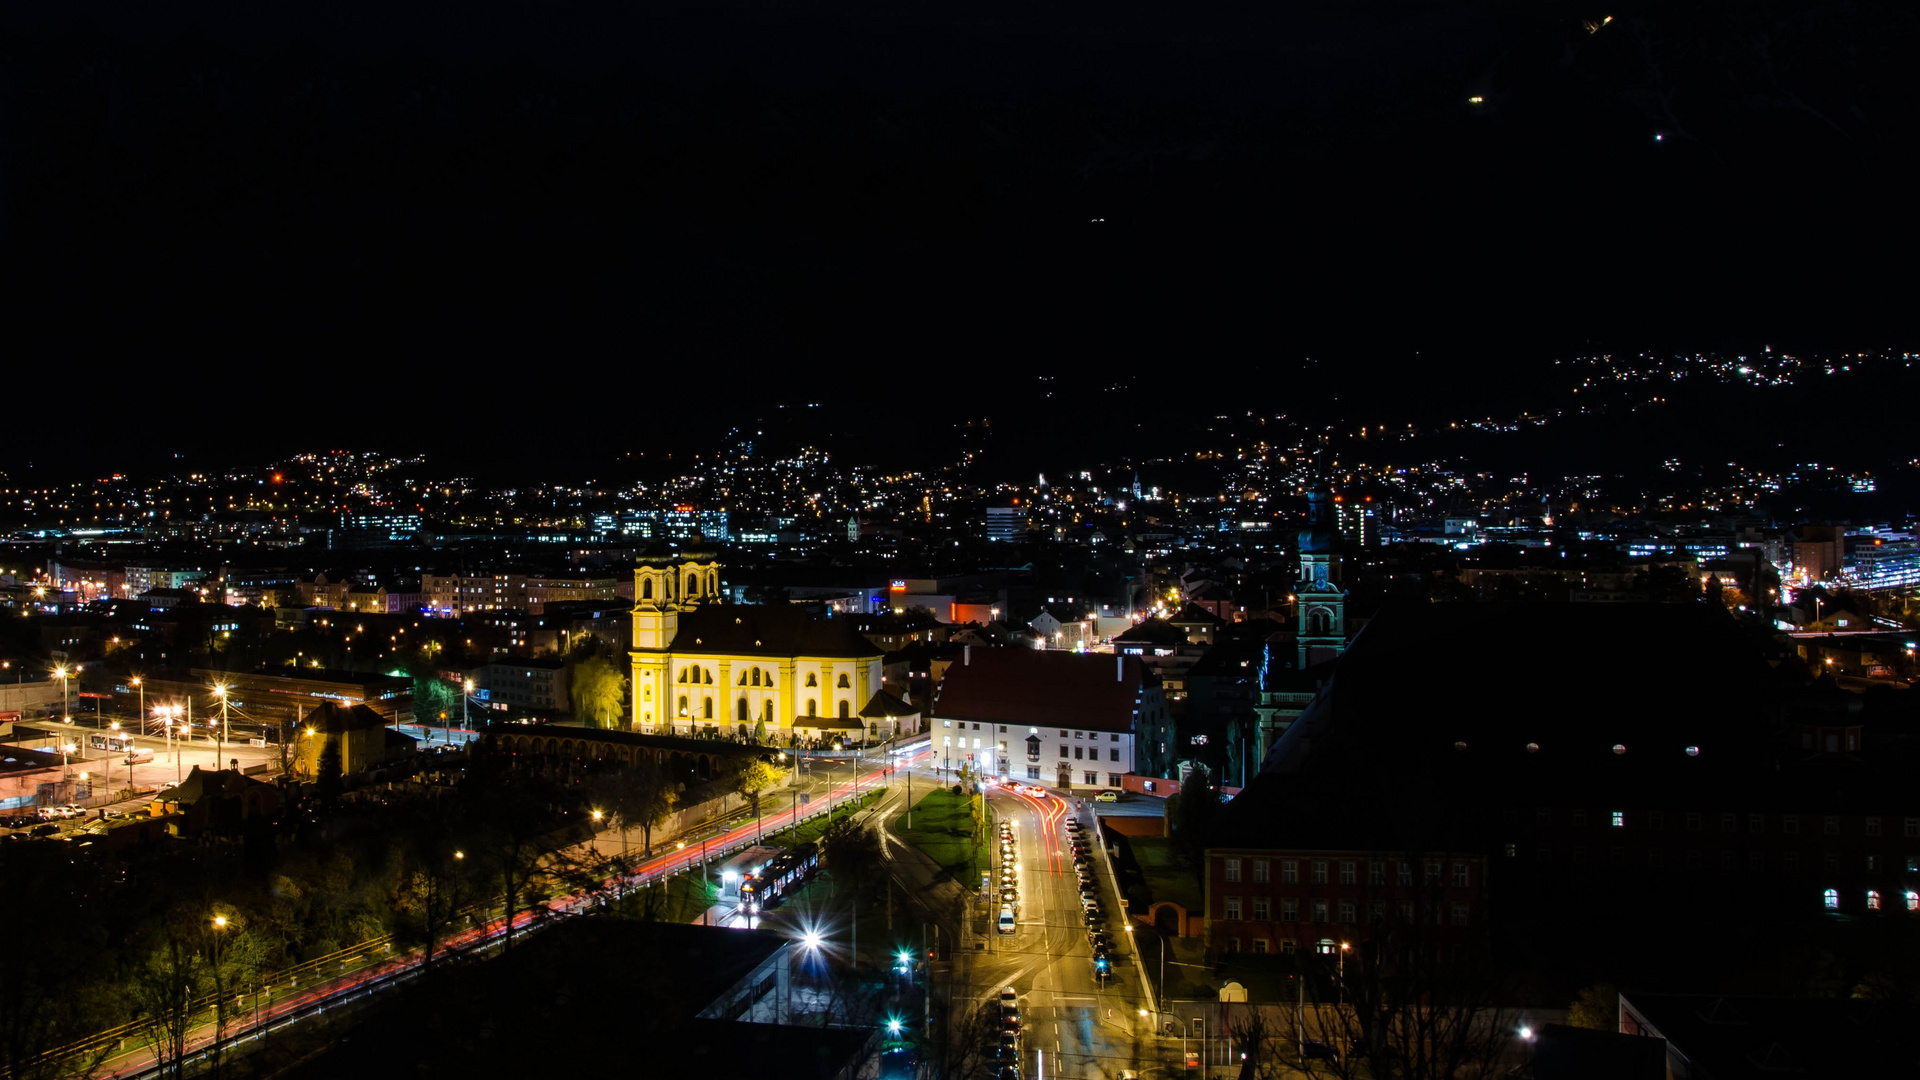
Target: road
(1075,1025)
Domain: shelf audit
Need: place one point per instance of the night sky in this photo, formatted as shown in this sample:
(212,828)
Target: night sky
(361,223)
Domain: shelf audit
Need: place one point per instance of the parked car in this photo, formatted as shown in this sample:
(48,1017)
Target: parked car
(1108,795)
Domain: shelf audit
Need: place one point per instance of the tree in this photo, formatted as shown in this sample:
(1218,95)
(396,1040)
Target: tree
(853,855)
(432,695)
(49,1003)
(598,690)
(165,983)
(1191,815)
(286,754)
(641,794)
(434,887)
(752,778)
(1597,1007)
(329,777)
(236,957)
(760,733)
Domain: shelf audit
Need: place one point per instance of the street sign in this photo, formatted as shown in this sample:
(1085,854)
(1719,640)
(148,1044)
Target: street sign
(806,797)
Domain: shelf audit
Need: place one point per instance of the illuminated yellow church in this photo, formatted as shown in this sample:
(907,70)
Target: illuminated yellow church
(702,667)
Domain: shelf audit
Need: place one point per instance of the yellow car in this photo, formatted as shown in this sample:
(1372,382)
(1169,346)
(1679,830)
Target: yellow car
(1107,796)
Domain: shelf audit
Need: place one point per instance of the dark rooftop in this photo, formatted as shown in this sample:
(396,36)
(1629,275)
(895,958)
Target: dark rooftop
(768,630)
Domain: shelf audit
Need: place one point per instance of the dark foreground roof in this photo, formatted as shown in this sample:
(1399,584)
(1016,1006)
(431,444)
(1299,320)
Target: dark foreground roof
(1466,705)
(1737,1038)
(781,630)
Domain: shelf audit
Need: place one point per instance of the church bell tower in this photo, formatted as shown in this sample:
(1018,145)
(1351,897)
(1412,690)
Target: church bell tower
(1321,601)
(666,584)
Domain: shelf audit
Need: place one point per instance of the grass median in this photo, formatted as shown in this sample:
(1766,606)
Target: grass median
(943,827)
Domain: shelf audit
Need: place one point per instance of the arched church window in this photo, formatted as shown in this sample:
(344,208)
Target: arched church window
(756,676)
(713,582)
(743,678)
(706,711)
(646,589)
(682,680)
(843,710)
(766,710)
(693,584)
(683,704)
(843,681)
(1318,623)
(813,707)
(743,711)
(811,680)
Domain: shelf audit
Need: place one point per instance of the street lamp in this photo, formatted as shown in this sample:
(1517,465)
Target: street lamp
(66,706)
(66,748)
(220,691)
(142,687)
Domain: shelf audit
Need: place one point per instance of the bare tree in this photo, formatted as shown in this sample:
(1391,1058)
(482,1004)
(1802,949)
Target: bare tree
(167,982)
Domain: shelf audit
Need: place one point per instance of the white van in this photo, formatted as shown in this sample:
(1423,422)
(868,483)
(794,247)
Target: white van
(139,755)
(1006,918)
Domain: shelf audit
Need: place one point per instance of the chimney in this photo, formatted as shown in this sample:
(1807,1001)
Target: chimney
(1119,669)
(966,656)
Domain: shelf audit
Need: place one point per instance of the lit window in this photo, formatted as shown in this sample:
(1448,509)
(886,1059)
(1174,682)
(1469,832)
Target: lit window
(1832,899)
(1619,819)
(1913,900)
(1233,869)
(1873,899)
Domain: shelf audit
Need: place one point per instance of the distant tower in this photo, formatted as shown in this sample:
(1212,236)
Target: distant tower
(665,584)
(1321,601)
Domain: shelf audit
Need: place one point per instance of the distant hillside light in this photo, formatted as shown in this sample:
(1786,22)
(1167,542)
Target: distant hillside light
(1533,748)
(1693,751)
(1619,748)
(1460,746)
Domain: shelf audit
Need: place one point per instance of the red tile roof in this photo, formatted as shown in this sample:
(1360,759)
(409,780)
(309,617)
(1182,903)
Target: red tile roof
(1041,688)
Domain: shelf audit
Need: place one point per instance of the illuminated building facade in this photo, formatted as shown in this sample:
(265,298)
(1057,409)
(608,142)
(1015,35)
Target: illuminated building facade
(705,667)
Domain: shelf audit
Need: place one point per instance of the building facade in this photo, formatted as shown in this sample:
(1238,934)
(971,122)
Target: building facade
(1067,719)
(705,667)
